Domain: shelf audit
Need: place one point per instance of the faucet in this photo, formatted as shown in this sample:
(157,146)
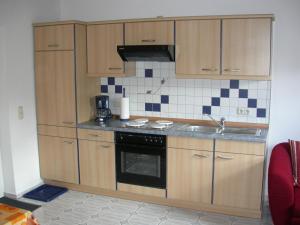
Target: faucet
(221,124)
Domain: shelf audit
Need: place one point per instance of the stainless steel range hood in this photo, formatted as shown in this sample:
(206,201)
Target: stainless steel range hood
(158,53)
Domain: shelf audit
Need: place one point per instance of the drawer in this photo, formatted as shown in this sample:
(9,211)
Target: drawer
(190,143)
(240,147)
(66,132)
(96,135)
(60,37)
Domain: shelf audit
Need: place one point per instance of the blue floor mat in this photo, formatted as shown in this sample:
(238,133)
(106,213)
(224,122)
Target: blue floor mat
(45,193)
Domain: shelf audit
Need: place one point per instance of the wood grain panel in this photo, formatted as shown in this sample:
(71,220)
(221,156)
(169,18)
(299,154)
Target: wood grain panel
(66,132)
(246,47)
(102,42)
(238,180)
(198,47)
(190,175)
(96,135)
(140,190)
(97,164)
(241,147)
(190,143)
(59,37)
(149,33)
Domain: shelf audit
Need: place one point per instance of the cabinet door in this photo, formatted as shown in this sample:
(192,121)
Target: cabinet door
(60,37)
(149,33)
(198,47)
(102,42)
(45,83)
(97,164)
(58,159)
(190,175)
(65,88)
(246,47)
(238,180)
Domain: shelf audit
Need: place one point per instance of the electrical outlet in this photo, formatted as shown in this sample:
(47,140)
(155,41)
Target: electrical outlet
(20,112)
(242,111)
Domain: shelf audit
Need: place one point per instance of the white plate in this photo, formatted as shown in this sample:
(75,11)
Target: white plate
(134,124)
(142,120)
(158,126)
(164,122)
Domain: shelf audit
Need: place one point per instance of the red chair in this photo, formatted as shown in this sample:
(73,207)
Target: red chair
(284,197)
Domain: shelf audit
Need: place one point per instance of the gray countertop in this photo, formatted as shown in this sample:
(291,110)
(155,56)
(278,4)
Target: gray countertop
(174,130)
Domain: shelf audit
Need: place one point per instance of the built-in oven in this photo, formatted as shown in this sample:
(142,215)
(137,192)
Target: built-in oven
(141,159)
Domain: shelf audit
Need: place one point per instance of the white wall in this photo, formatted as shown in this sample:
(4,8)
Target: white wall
(18,137)
(285,107)
(1,94)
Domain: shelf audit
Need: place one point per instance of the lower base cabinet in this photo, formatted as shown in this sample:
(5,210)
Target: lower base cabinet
(190,175)
(97,164)
(58,159)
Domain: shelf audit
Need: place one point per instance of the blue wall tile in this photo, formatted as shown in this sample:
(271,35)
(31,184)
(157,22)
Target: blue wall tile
(111,81)
(104,89)
(261,113)
(224,93)
(164,99)
(243,93)
(118,89)
(206,110)
(148,106)
(156,107)
(215,101)
(234,84)
(252,103)
(148,73)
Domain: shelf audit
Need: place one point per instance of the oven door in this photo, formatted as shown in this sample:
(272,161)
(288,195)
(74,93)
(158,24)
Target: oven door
(141,165)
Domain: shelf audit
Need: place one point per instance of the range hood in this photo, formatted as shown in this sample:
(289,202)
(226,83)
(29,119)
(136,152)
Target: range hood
(158,53)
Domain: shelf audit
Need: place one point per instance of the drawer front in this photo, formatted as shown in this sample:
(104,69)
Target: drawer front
(190,143)
(240,147)
(66,132)
(60,37)
(96,135)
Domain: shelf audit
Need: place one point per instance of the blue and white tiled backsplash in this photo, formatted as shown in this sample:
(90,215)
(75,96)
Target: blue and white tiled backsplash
(188,98)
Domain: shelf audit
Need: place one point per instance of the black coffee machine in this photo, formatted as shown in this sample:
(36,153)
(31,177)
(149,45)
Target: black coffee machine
(102,108)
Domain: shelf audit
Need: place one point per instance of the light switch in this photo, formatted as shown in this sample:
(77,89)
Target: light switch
(20,112)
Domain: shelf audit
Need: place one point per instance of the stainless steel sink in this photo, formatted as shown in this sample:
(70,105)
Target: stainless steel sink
(249,131)
(202,129)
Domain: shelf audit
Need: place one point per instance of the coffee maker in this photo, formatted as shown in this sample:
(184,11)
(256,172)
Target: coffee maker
(102,108)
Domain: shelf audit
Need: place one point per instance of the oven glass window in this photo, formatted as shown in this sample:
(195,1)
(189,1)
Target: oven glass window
(140,164)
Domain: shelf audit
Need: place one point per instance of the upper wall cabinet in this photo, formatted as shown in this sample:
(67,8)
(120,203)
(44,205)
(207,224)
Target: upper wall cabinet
(60,37)
(246,47)
(198,47)
(102,42)
(149,33)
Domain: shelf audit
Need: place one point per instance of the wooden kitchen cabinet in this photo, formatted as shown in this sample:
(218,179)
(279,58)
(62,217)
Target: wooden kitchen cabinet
(58,159)
(190,175)
(55,88)
(56,37)
(246,47)
(102,42)
(238,178)
(198,47)
(97,164)
(149,33)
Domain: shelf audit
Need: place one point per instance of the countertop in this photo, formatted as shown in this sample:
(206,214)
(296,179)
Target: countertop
(174,130)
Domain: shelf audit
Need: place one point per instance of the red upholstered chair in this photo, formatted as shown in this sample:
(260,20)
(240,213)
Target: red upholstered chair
(284,197)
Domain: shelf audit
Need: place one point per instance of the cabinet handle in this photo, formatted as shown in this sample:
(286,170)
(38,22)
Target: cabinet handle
(208,69)
(225,157)
(68,142)
(148,40)
(68,122)
(232,70)
(53,45)
(94,135)
(114,68)
(200,156)
(104,146)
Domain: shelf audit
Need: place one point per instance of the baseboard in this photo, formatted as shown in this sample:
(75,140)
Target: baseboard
(16,196)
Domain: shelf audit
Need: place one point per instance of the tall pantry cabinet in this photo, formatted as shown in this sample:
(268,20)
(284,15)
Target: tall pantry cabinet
(63,97)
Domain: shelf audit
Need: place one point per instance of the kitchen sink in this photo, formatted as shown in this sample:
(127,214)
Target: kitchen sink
(202,129)
(249,131)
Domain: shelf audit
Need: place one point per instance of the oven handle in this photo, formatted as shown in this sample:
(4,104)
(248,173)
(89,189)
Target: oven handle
(142,146)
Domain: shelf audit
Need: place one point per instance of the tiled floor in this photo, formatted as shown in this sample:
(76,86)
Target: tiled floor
(76,208)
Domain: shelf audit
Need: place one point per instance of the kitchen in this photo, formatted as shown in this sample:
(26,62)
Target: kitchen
(195,113)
